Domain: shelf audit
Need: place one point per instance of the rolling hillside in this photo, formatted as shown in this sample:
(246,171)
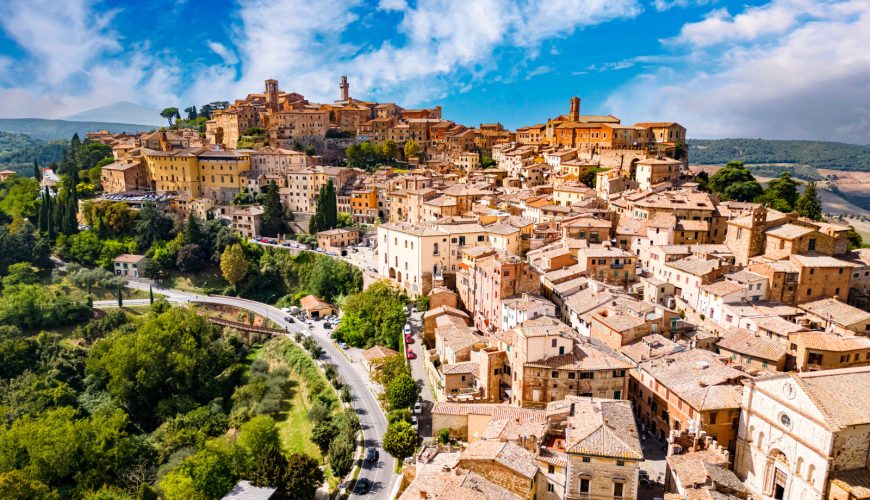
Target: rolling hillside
(17,152)
(52,130)
(814,154)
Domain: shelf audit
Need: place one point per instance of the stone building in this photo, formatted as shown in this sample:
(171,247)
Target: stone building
(805,435)
(688,388)
(698,467)
(602,445)
(337,238)
(546,361)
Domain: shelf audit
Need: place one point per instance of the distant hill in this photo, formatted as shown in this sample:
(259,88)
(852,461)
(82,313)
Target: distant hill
(816,154)
(120,112)
(17,152)
(51,130)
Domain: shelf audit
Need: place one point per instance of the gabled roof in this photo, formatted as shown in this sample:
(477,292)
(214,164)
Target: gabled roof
(602,427)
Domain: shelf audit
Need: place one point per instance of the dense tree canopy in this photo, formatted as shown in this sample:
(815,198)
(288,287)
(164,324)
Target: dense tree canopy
(735,182)
(173,361)
(374,316)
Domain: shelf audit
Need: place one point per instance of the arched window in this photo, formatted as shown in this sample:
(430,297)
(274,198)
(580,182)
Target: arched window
(798,466)
(810,471)
(760,440)
(435,249)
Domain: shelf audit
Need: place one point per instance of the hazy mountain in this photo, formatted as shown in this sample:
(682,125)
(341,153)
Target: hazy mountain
(51,130)
(120,112)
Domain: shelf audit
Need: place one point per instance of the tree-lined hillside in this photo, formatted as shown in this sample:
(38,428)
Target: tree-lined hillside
(817,154)
(17,152)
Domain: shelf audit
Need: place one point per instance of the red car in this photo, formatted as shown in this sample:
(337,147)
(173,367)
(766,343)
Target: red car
(409,339)
(411,354)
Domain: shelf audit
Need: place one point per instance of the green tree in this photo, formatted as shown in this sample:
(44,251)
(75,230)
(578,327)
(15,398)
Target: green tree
(191,258)
(18,197)
(303,476)
(15,485)
(781,194)
(400,440)
(21,272)
(273,212)
(323,433)
(191,113)
(809,205)
(326,213)
(234,264)
(269,468)
(208,474)
(374,316)
(412,149)
(340,456)
(153,225)
(390,368)
(589,177)
(259,433)
(735,182)
(37,172)
(169,363)
(855,239)
(169,114)
(402,392)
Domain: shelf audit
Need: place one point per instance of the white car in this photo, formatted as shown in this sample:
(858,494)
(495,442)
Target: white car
(342,345)
(414,421)
(418,406)
(407,329)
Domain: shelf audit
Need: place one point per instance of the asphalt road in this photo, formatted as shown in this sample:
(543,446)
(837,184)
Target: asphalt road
(371,417)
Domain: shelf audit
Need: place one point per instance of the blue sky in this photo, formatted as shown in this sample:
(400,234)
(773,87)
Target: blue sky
(763,68)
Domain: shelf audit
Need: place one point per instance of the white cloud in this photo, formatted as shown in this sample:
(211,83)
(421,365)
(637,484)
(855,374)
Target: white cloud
(73,61)
(390,5)
(221,50)
(663,5)
(442,42)
(774,18)
(810,82)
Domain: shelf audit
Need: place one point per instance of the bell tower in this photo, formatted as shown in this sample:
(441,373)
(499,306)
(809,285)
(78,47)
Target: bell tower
(272,94)
(344,88)
(575,109)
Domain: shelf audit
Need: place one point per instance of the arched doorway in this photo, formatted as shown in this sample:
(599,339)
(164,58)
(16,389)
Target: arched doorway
(399,277)
(778,473)
(392,273)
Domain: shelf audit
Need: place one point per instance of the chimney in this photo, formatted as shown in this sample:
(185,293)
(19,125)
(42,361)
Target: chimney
(575,109)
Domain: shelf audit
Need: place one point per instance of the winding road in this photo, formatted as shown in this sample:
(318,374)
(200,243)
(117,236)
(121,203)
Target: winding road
(371,417)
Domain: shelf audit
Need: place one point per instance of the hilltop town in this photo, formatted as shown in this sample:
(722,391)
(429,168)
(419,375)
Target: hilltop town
(582,314)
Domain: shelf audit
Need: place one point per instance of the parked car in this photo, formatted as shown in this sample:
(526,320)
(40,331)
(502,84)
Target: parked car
(418,406)
(411,354)
(407,329)
(288,319)
(327,326)
(343,345)
(362,486)
(286,244)
(414,421)
(409,339)
(372,455)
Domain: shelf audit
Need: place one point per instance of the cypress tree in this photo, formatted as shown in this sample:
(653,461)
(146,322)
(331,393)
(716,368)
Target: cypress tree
(42,219)
(151,294)
(37,172)
(120,297)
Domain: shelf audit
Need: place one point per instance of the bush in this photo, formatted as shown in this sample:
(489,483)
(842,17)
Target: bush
(444,436)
